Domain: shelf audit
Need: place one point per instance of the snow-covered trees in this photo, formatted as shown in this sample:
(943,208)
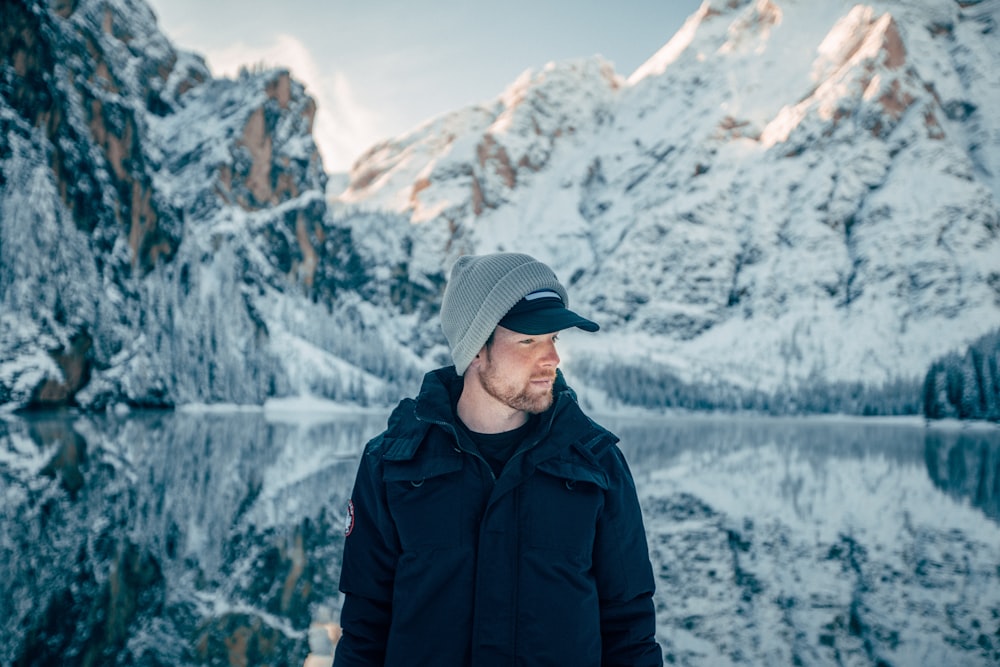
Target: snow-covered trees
(966,386)
(654,386)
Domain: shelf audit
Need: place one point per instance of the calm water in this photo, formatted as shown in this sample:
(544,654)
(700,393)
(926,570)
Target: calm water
(180,538)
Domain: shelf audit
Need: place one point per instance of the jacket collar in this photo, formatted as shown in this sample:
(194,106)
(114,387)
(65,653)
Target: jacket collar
(441,389)
(562,426)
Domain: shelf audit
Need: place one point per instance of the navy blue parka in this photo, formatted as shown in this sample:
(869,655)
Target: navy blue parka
(445,564)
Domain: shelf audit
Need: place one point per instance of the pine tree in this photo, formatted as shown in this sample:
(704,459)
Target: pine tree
(971,402)
(991,384)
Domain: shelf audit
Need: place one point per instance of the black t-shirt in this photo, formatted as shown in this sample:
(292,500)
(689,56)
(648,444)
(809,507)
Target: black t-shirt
(497,448)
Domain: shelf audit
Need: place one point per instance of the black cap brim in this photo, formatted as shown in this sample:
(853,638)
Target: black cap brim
(546,320)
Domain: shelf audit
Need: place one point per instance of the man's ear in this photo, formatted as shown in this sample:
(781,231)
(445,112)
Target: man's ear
(479,357)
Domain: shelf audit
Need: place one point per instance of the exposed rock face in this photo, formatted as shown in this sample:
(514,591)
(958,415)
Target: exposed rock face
(79,103)
(75,366)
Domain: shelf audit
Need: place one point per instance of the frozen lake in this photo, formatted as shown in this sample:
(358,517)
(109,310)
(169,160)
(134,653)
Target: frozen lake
(207,538)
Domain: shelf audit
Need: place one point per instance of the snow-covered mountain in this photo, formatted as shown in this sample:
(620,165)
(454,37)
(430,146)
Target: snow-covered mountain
(786,196)
(164,237)
(787,192)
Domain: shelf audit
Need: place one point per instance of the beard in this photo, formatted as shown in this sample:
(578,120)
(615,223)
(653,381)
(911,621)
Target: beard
(527,398)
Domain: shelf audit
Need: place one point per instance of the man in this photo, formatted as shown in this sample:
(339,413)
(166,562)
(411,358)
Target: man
(493,523)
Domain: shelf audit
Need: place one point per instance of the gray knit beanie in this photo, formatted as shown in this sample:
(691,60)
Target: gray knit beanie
(481,290)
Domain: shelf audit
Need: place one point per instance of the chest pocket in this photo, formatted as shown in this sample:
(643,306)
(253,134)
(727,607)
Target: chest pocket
(564,501)
(425,500)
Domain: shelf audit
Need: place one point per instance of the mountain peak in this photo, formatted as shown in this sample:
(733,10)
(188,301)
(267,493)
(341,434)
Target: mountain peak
(471,160)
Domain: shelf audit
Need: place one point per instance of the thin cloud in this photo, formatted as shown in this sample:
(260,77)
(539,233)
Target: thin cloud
(343,127)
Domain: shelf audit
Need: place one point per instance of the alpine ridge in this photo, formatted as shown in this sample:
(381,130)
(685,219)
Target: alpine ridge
(784,200)
(783,196)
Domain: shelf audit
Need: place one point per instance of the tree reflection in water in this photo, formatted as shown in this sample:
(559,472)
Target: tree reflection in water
(966,464)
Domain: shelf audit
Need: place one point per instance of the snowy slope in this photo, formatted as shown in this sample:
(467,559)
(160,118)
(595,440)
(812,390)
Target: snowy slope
(784,193)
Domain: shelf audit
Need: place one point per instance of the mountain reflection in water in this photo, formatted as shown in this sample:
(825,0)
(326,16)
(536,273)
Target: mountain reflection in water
(193,538)
(821,542)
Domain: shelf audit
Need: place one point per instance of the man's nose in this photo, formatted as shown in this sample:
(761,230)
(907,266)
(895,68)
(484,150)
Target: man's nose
(551,356)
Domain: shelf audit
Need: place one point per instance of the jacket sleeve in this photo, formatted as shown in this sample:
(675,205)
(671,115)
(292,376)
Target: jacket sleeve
(371,548)
(624,574)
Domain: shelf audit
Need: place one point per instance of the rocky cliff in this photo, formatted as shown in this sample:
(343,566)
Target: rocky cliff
(164,237)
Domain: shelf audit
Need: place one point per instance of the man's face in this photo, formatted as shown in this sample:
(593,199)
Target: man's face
(519,369)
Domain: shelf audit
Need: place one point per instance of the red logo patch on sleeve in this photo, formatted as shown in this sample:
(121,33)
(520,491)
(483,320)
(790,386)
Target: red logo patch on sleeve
(349,523)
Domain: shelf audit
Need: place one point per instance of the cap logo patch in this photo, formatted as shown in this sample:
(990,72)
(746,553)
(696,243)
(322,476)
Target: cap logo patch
(543,294)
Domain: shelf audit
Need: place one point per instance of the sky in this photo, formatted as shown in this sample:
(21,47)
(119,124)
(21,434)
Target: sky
(379,69)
